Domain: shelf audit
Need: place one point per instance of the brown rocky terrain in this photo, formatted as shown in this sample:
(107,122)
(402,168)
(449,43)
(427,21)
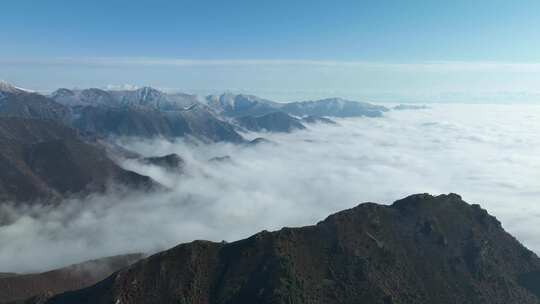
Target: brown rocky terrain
(15,287)
(41,159)
(421,249)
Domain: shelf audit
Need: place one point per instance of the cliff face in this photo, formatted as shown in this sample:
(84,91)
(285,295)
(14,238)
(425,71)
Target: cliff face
(422,249)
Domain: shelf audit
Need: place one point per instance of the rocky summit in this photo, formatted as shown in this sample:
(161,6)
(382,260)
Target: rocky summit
(421,249)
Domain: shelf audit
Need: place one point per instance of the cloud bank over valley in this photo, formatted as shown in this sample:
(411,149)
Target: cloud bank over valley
(487,153)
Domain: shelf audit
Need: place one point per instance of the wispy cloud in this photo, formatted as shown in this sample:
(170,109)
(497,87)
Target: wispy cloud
(178,62)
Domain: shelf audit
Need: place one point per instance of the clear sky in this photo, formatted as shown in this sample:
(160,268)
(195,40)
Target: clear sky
(380,50)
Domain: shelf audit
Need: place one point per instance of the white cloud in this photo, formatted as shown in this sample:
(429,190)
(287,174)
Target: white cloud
(121,87)
(490,154)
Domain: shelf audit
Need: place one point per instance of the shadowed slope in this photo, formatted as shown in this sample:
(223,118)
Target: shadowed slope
(44,160)
(15,287)
(422,249)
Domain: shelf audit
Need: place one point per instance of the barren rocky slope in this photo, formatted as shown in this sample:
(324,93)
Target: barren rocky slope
(421,249)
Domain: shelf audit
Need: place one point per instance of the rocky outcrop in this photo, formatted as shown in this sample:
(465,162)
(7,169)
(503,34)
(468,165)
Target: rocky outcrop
(170,162)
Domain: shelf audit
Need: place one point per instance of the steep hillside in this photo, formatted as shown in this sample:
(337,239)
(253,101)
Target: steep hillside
(16,287)
(45,160)
(422,249)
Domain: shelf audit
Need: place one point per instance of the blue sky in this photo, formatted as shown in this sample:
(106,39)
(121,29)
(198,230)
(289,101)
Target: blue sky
(309,48)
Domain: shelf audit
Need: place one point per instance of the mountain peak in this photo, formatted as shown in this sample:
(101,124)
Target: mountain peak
(10,88)
(422,249)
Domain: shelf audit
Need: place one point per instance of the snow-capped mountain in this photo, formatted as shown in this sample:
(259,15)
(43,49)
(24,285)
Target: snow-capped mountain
(144,112)
(335,107)
(8,88)
(236,105)
(145,97)
(85,97)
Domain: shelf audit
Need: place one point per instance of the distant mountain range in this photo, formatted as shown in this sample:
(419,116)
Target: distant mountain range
(273,122)
(147,112)
(248,105)
(52,146)
(422,249)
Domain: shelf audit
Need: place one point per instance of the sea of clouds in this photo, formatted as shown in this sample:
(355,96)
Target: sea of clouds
(489,154)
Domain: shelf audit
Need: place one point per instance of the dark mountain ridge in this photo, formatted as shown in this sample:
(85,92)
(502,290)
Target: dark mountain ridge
(20,286)
(15,102)
(45,160)
(421,249)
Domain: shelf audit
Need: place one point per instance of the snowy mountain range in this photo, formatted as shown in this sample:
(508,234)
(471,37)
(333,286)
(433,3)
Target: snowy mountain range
(148,112)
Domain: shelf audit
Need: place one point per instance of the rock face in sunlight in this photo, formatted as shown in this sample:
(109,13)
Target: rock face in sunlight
(45,160)
(21,286)
(421,249)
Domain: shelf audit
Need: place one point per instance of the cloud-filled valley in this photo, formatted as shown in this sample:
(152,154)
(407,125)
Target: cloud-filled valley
(487,153)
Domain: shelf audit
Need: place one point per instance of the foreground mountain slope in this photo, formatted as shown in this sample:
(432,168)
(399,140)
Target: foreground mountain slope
(45,160)
(16,287)
(422,249)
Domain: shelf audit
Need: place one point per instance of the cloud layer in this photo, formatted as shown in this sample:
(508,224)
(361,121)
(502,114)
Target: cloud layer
(290,79)
(490,154)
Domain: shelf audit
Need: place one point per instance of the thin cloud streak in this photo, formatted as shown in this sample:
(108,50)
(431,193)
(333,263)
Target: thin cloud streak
(178,62)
